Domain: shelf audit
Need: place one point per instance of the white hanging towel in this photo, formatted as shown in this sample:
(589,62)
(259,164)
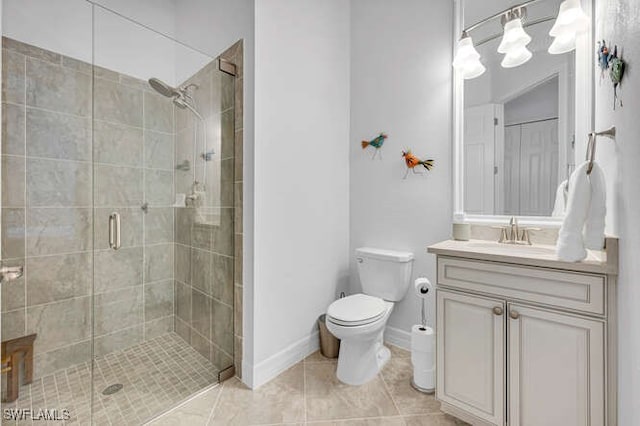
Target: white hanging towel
(594,227)
(570,245)
(561,199)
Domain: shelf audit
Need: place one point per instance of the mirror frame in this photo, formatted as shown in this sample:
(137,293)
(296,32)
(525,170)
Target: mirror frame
(584,120)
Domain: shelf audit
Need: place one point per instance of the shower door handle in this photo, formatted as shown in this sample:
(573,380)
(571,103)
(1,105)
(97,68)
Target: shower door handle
(114,230)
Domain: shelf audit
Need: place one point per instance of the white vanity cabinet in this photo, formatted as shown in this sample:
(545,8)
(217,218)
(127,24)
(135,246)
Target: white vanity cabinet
(471,354)
(524,342)
(556,368)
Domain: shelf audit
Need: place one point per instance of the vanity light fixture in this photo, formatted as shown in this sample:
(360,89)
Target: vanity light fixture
(467,60)
(570,22)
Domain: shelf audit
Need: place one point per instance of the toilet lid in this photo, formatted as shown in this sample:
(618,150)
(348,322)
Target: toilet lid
(356,309)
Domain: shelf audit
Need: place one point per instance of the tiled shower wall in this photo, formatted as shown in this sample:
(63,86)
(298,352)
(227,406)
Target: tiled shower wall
(47,199)
(204,263)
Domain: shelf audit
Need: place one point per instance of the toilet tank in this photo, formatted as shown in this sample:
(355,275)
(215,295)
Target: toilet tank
(384,273)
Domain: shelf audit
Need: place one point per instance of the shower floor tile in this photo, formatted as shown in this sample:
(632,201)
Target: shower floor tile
(156,375)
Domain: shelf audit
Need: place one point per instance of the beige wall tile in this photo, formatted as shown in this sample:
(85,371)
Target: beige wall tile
(46,81)
(13,129)
(117,103)
(53,183)
(55,135)
(44,226)
(59,277)
(158,300)
(118,144)
(13,76)
(59,324)
(13,185)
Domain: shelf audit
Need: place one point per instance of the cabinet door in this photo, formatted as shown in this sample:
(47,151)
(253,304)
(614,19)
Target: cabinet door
(471,354)
(556,369)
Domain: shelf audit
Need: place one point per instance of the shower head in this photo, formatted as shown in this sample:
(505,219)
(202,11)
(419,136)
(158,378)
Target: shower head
(163,88)
(181,97)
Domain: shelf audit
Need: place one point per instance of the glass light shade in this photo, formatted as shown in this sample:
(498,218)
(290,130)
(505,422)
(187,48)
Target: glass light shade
(571,19)
(516,57)
(562,44)
(467,60)
(473,70)
(514,36)
(465,52)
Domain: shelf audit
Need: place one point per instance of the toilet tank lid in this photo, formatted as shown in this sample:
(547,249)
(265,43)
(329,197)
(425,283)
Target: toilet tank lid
(384,254)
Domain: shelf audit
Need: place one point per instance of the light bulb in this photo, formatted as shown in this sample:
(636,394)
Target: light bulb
(514,36)
(516,57)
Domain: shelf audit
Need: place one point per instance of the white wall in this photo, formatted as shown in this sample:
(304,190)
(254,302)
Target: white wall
(301,175)
(60,26)
(539,103)
(66,27)
(157,14)
(401,84)
(618,22)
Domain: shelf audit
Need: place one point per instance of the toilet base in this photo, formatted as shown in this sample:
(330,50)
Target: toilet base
(361,360)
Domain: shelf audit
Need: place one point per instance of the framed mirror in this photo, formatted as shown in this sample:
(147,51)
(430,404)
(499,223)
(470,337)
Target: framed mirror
(523,105)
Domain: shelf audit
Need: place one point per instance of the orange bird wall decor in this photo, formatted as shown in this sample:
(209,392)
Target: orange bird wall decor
(412,161)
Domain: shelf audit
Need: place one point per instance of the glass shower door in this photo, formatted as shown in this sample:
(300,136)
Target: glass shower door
(163,212)
(46,210)
(118,203)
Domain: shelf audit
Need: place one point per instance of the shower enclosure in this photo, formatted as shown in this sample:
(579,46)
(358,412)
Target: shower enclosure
(118,203)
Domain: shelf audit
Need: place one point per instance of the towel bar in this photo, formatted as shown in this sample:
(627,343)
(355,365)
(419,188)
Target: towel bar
(591,145)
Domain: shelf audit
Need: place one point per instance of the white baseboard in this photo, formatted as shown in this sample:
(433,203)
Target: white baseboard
(398,337)
(271,367)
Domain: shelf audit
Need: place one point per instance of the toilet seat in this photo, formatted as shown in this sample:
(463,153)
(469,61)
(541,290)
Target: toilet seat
(358,309)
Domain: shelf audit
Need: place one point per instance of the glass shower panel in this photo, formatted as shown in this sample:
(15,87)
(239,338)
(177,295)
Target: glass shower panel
(204,248)
(46,210)
(163,209)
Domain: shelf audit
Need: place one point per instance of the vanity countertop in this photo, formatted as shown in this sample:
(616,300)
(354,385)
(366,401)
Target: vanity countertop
(538,255)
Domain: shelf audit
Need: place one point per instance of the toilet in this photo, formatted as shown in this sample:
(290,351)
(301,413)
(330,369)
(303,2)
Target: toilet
(359,320)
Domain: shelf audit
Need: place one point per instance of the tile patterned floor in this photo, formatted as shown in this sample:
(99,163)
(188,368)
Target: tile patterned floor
(310,394)
(156,375)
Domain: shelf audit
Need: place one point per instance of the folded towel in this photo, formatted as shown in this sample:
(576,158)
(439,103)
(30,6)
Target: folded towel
(561,199)
(570,246)
(594,227)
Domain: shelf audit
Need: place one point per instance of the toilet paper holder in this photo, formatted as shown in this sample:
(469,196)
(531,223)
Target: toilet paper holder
(423,287)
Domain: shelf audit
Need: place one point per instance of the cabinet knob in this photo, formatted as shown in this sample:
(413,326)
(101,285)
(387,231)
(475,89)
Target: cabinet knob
(514,314)
(497,310)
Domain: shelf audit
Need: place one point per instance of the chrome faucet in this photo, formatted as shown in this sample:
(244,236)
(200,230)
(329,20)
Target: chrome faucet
(513,234)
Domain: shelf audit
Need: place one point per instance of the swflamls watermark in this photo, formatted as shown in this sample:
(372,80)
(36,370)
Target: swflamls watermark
(49,414)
